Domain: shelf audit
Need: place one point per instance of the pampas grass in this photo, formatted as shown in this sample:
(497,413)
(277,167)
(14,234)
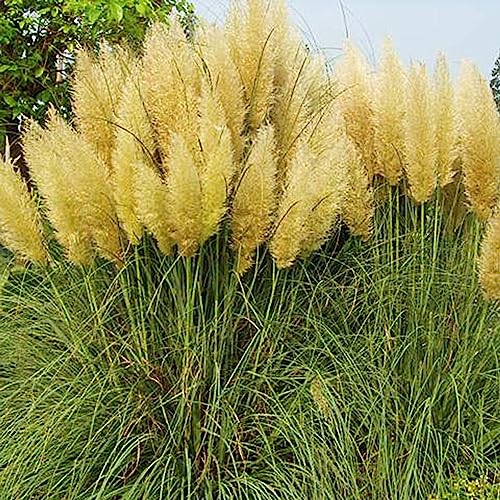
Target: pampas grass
(174,356)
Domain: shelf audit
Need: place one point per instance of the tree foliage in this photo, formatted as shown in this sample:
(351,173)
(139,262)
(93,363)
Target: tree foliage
(495,81)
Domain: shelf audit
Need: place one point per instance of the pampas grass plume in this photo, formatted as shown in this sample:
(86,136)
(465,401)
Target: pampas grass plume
(294,208)
(97,86)
(216,162)
(153,205)
(57,191)
(74,184)
(254,199)
(326,189)
(250,34)
(134,144)
(489,261)
(389,111)
(20,229)
(223,75)
(358,208)
(184,196)
(419,129)
(355,98)
(314,191)
(172,83)
(446,122)
(479,128)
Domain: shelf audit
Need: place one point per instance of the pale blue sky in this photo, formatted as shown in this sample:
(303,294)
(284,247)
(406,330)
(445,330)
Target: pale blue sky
(420,28)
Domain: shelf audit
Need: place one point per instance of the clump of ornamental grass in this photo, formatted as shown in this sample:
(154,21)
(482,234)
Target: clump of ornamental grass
(163,365)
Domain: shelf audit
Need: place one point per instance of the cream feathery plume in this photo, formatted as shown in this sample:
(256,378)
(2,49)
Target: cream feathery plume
(328,177)
(420,137)
(299,74)
(358,207)
(134,144)
(355,99)
(489,260)
(358,200)
(315,189)
(216,165)
(389,111)
(185,197)
(57,190)
(97,86)
(20,228)
(153,205)
(294,208)
(214,50)
(172,83)
(250,36)
(479,129)
(288,46)
(254,199)
(314,192)
(295,108)
(74,183)
(446,122)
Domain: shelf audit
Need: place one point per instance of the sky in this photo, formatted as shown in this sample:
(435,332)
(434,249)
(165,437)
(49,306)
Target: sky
(419,28)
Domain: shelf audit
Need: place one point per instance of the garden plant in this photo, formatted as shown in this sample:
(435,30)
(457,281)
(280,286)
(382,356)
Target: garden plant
(246,273)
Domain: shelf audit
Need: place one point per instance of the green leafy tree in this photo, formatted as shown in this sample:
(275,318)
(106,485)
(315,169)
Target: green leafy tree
(37,42)
(495,81)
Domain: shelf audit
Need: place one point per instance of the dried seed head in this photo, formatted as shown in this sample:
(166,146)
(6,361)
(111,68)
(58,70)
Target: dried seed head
(254,199)
(355,99)
(74,184)
(216,165)
(389,111)
(134,144)
(420,135)
(172,83)
(223,75)
(97,87)
(479,129)
(294,208)
(153,205)
(446,122)
(20,229)
(489,261)
(250,33)
(184,196)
